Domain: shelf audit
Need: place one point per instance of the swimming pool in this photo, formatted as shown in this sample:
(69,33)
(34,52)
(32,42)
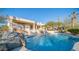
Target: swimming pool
(54,42)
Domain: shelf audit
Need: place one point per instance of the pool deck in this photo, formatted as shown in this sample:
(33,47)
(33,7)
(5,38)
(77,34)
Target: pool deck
(52,32)
(23,49)
(20,49)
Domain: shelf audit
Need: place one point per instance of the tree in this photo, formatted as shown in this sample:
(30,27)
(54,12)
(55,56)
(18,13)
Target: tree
(59,23)
(2,19)
(49,25)
(74,19)
(4,28)
(14,20)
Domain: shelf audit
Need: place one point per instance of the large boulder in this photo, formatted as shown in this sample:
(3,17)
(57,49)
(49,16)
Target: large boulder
(76,46)
(11,40)
(3,47)
(2,44)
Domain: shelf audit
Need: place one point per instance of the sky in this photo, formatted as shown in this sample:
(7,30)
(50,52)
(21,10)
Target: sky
(39,14)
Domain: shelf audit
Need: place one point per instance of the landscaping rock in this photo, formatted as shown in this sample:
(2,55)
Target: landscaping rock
(3,47)
(76,46)
(11,41)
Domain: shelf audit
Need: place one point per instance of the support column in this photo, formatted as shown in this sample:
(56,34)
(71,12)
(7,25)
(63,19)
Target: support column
(34,26)
(10,24)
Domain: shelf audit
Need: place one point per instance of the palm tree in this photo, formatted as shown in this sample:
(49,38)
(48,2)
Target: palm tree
(66,23)
(59,22)
(74,19)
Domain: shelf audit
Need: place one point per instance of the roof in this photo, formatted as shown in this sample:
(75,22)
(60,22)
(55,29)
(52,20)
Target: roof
(21,19)
(26,20)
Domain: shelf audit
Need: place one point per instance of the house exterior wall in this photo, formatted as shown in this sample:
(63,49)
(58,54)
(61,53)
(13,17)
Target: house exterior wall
(29,25)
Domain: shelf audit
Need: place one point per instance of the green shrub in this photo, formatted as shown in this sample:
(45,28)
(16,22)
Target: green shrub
(14,20)
(4,27)
(74,31)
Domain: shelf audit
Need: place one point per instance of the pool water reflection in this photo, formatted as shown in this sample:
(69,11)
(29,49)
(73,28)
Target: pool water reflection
(54,42)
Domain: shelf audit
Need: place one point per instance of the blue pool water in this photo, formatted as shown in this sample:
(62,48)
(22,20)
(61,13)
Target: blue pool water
(54,42)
